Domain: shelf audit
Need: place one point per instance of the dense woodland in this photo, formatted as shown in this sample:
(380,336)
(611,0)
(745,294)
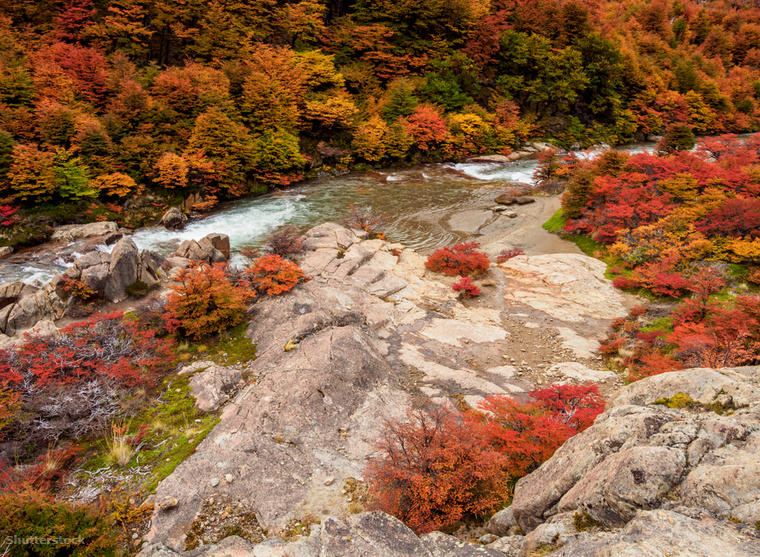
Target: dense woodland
(101,102)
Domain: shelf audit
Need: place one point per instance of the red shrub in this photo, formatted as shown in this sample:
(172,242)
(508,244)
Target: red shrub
(460,259)
(528,433)
(466,288)
(625,283)
(507,254)
(274,275)
(434,470)
(7,215)
(205,300)
(73,383)
(439,467)
(104,346)
(653,363)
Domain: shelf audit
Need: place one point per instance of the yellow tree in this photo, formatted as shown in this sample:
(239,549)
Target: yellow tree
(32,173)
(273,90)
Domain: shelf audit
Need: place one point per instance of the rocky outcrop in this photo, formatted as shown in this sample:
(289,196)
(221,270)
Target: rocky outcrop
(672,464)
(173,219)
(36,305)
(337,356)
(205,249)
(667,533)
(373,534)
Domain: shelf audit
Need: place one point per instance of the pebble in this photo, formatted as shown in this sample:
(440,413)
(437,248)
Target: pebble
(134,536)
(214,482)
(228,478)
(329,481)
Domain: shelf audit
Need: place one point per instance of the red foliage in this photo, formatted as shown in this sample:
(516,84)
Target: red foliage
(104,346)
(274,275)
(435,470)
(466,288)
(528,433)
(438,467)
(205,300)
(427,127)
(736,217)
(653,363)
(507,254)
(72,18)
(7,213)
(460,259)
(45,474)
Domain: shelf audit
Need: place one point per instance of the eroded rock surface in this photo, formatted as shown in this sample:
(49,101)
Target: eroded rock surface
(337,356)
(373,534)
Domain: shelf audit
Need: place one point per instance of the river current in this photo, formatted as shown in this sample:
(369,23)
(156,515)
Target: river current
(413,200)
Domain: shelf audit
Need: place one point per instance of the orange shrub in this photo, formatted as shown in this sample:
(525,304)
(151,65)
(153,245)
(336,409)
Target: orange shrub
(274,275)
(205,300)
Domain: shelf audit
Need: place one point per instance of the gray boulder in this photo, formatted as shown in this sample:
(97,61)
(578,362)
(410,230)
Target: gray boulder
(203,250)
(74,232)
(41,305)
(173,219)
(503,523)
(96,277)
(123,270)
(220,242)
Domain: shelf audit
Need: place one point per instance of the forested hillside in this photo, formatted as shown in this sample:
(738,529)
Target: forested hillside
(101,101)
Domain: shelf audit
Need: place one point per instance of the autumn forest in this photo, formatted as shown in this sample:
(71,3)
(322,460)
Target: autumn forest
(104,101)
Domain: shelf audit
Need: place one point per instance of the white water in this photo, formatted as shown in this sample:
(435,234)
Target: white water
(414,200)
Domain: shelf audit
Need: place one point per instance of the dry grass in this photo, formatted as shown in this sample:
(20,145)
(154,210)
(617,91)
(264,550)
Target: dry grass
(119,451)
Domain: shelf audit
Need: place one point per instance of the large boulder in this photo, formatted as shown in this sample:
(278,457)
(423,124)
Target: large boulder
(74,232)
(42,304)
(123,270)
(220,242)
(173,219)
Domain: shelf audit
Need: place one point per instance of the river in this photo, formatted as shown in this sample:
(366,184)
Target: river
(413,200)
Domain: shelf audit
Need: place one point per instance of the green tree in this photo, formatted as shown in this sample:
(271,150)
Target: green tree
(72,179)
(402,101)
(275,153)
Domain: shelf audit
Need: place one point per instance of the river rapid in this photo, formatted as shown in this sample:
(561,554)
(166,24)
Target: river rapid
(415,201)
